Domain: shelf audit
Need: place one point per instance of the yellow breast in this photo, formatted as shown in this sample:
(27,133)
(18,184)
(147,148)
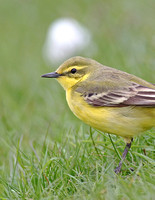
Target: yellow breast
(124,121)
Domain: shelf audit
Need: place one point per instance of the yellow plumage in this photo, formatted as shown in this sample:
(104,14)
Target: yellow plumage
(123,121)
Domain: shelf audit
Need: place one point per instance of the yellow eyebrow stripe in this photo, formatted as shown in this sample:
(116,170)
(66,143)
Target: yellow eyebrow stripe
(77,67)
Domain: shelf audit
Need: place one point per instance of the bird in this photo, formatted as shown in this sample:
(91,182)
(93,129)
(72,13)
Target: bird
(107,99)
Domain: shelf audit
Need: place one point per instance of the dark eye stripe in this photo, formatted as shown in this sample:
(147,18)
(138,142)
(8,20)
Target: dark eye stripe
(73,71)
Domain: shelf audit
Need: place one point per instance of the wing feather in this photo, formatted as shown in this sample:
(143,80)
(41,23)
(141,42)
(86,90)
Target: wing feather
(135,95)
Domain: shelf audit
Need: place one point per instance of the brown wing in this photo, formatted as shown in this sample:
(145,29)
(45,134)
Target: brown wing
(135,95)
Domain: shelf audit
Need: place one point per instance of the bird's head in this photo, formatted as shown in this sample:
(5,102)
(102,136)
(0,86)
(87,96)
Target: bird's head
(72,71)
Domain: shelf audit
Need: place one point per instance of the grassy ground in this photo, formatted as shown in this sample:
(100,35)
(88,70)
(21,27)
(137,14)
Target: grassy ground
(46,153)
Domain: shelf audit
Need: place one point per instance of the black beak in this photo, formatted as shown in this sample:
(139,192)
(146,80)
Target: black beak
(51,75)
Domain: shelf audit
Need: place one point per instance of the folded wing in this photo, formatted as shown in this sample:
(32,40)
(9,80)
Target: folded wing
(134,95)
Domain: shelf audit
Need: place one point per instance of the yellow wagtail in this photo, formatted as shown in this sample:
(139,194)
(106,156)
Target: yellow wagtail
(107,99)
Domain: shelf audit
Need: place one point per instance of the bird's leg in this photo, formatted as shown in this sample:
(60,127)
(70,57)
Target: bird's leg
(127,147)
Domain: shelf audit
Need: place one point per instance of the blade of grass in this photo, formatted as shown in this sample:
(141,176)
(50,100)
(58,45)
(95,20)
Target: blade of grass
(119,156)
(91,135)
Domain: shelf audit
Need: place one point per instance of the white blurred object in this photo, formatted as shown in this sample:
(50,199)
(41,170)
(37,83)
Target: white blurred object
(66,38)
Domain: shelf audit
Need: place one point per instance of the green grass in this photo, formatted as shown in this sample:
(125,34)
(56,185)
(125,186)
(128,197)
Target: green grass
(72,169)
(46,153)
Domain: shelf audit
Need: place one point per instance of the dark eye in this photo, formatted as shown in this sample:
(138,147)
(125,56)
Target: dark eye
(73,71)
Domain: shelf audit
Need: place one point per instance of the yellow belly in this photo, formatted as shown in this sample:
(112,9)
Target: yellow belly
(123,121)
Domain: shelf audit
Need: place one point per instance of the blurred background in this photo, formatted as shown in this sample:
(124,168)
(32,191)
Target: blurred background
(119,34)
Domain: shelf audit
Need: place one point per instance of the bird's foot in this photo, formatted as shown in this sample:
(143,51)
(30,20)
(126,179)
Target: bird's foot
(117,170)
